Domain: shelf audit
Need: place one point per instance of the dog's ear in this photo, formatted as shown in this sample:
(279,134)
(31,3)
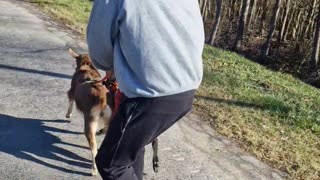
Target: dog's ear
(73,54)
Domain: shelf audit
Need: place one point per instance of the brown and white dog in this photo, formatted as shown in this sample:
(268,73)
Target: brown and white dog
(90,96)
(90,99)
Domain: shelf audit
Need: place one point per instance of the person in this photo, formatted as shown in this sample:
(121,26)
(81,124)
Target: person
(155,50)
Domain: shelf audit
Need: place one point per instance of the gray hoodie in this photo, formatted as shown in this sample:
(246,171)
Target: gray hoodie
(154,46)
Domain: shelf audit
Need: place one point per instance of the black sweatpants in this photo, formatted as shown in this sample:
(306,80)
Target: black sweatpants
(138,122)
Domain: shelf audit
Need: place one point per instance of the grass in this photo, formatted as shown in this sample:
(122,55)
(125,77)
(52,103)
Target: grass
(73,13)
(273,115)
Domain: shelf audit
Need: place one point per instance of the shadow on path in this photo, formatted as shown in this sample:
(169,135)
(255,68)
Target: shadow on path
(44,73)
(30,139)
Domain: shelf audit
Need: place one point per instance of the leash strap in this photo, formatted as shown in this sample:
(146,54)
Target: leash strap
(118,96)
(113,87)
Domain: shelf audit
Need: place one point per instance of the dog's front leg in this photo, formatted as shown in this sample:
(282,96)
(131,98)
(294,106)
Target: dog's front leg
(70,108)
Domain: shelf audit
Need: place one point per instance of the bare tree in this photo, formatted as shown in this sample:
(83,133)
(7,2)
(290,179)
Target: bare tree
(266,47)
(242,24)
(289,26)
(284,21)
(216,22)
(263,16)
(247,23)
(203,6)
(316,42)
(252,13)
(310,18)
(232,9)
(200,4)
(296,26)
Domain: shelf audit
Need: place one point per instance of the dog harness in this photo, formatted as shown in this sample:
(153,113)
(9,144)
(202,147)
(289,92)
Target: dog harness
(113,88)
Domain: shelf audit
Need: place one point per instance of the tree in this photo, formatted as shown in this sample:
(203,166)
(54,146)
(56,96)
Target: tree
(203,6)
(310,19)
(266,47)
(296,26)
(288,26)
(284,22)
(263,16)
(232,13)
(252,13)
(316,42)
(216,22)
(242,24)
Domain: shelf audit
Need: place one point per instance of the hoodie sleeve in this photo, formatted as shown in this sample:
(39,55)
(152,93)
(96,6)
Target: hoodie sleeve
(101,32)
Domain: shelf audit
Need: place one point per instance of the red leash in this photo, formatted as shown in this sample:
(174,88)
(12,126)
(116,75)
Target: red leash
(118,97)
(103,79)
(113,87)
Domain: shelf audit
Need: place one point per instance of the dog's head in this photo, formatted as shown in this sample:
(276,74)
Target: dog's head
(82,60)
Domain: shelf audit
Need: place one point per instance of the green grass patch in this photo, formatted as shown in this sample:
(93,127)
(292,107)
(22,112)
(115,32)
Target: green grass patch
(273,115)
(74,13)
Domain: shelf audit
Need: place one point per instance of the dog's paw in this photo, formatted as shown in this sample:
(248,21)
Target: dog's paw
(94,172)
(155,164)
(68,116)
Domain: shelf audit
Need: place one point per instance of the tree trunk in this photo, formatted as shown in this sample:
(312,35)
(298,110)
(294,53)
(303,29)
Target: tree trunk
(295,29)
(232,15)
(288,27)
(216,22)
(203,7)
(266,46)
(207,11)
(200,4)
(309,19)
(302,25)
(240,9)
(263,16)
(229,9)
(313,28)
(252,13)
(316,43)
(284,21)
(242,24)
(233,8)
(258,12)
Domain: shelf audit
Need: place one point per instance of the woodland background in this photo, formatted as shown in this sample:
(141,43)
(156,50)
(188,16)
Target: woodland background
(281,34)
